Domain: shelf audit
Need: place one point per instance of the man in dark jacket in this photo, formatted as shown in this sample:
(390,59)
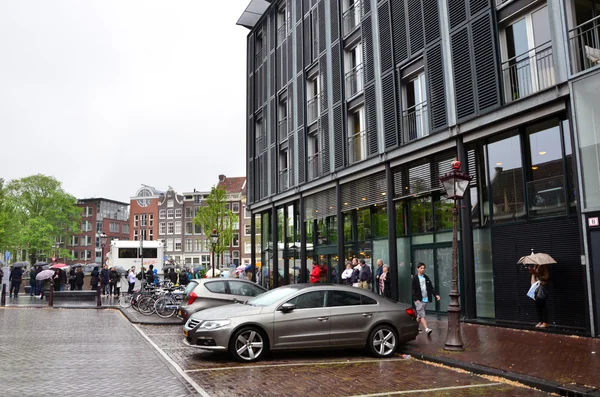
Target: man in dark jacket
(104,279)
(365,275)
(378,274)
(15,277)
(150,275)
(422,293)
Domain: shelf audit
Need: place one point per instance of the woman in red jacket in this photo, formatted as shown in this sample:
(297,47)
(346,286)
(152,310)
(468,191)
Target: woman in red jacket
(315,275)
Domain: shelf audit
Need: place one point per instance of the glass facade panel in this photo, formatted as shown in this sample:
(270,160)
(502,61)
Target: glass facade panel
(280,226)
(348,235)
(380,251)
(380,222)
(332,230)
(404,270)
(363,224)
(484,275)
(506,176)
(443,214)
(421,215)
(571,193)
(443,258)
(322,232)
(400,222)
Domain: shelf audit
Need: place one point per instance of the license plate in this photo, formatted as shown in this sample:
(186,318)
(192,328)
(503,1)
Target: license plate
(185,333)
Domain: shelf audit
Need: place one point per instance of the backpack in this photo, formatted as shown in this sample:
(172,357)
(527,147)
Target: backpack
(139,276)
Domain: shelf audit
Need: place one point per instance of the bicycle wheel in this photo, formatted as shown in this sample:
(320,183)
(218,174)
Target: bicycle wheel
(165,306)
(146,305)
(125,301)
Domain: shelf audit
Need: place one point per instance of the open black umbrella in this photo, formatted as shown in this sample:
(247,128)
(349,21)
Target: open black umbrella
(121,270)
(43,265)
(20,264)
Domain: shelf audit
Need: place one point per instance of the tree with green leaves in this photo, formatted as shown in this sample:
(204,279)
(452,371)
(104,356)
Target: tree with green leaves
(45,213)
(215,215)
(8,222)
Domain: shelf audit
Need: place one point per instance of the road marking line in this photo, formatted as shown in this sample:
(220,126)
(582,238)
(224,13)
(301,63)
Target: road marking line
(196,386)
(427,390)
(295,364)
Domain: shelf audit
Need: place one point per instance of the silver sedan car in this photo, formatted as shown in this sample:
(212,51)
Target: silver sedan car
(304,316)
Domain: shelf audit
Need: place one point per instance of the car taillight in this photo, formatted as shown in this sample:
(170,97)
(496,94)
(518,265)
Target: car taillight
(193,297)
(411,312)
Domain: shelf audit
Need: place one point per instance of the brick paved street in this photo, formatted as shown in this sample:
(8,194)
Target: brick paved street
(69,352)
(315,374)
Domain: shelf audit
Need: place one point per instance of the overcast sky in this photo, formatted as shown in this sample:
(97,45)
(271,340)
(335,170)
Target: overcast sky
(106,95)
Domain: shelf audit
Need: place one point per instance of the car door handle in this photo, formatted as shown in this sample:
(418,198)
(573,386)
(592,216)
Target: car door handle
(322,318)
(368,315)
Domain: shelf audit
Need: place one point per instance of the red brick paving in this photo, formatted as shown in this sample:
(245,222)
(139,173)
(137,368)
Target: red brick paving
(559,358)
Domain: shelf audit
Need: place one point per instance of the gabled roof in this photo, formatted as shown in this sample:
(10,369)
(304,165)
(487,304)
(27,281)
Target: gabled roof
(233,185)
(253,12)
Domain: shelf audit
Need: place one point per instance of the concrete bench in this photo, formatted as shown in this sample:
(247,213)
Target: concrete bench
(75,295)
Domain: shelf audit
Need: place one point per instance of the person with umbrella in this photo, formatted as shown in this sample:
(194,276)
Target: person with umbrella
(95,278)
(72,278)
(32,283)
(79,279)
(15,277)
(41,277)
(538,268)
(104,279)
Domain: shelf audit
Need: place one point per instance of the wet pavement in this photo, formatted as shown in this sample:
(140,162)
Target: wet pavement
(325,373)
(563,359)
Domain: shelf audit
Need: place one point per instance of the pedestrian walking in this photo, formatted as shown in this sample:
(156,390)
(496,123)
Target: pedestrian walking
(79,279)
(32,283)
(15,277)
(104,279)
(113,280)
(72,279)
(131,277)
(540,273)
(95,278)
(347,274)
(385,282)
(378,273)
(315,274)
(39,284)
(423,291)
(365,275)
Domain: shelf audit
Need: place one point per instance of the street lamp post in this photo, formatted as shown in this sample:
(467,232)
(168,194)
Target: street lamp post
(214,240)
(455,183)
(103,240)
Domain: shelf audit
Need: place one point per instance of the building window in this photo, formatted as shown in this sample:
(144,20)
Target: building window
(151,219)
(74,241)
(188,244)
(198,245)
(170,228)
(205,260)
(527,65)
(235,242)
(260,138)
(113,227)
(352,14)
(236,257)
(170,203)
(415,119)
(136,221)
(177,212)
(357,138)
(235,207)
(143,220)
(135,234)
(162,214)
(247,213)
(169,244)
(188,212)
(125,229)
(98,226)
(247,247)
(354,71)
(170,214)
(313,166)
(177,244)
(313,103)
(150,234)
(162,228)
(283,170)
(177,227)
(282,117)
(247,229)
(197,229)
(189,228)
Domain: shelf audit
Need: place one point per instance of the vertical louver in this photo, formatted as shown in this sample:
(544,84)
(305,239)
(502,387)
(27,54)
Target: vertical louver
(339,138)
(488,93)
(371,119)
(399,30)
(250,99)
(280,65)
(300,100)
(307,43)
(299,13)
(272,30)
(272,121)
(290,60)
(336,69)
(366,5)
(251,181)
(272,73)
(478,5)
(323,77)
(291,151)
(432,20)
(415,26)
(321,22)
(399,96)
(250,53)
(457,12)
(299,47)
(306,4)
(367,46)
(335,19)
(324,132)
(385,37)
(274,171)
(436,88)
(388,90)
(463,76)
(301,155)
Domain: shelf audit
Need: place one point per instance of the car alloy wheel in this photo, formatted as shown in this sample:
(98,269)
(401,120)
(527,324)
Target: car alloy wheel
(383,341)
(248,345)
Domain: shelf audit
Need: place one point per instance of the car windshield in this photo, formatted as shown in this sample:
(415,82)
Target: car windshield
(268,298)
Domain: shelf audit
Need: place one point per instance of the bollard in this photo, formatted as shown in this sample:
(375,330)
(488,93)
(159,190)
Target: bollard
(3,299)
(51,299)
(98,300)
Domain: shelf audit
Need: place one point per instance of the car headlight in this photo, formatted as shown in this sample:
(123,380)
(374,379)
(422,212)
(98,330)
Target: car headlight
(210,325)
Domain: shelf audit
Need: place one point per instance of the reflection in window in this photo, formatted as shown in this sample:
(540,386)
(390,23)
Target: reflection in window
(310,300)
(443,214)
(280,226)
(571,193)
(364,224)
(421,215)
(310,232)
(332,229)
(344,298)
(506,178)
(546,187)
(380,221)
(348,236)
(400,229)
(321,232)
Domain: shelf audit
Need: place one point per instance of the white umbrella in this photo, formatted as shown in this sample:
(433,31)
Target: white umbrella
(213,273)
(44,274)
(536,259)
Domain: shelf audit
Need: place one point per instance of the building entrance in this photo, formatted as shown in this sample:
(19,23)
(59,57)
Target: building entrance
(438,261)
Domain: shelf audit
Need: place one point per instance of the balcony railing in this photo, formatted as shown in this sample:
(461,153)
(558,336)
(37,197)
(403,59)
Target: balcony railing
(261,144)
(351,17)
(528,73)
(282,130)
(354,81)
(415,122)
(283,180)
(584,45)
(312,109)
(547,196)
(312,168)
(357,147)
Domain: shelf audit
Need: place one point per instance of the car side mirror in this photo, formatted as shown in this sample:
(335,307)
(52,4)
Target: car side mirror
(287,307)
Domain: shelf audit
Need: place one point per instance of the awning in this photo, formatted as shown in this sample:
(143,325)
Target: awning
(253,12)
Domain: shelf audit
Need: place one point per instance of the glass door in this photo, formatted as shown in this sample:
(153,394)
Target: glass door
(438,267)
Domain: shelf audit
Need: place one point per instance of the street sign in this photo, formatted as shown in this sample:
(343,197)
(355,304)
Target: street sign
(6,256)
(593,222)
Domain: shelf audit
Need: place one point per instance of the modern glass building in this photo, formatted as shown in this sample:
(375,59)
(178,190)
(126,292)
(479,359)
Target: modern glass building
(356,107)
